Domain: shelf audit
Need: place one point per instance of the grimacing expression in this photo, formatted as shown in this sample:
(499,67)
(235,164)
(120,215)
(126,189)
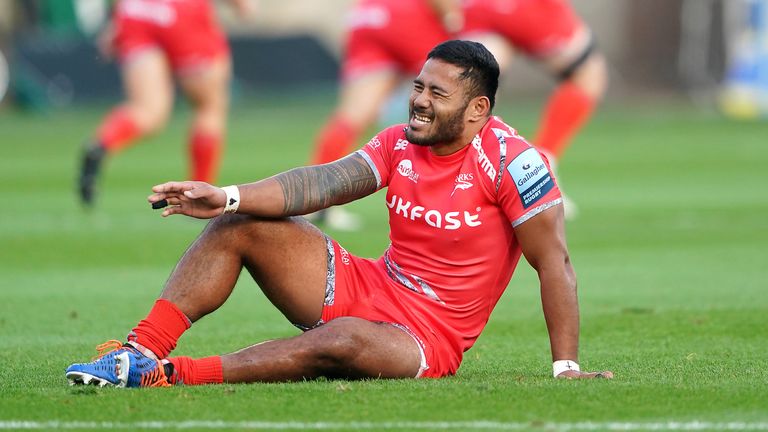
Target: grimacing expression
(437,105)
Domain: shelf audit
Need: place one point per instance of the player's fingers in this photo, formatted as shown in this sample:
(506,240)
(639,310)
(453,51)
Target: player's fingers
(203,191)
(172,211)
(572,374)
(160,199)
(591,375)
(174,201)
(569,374)
(172,187)
(159,196)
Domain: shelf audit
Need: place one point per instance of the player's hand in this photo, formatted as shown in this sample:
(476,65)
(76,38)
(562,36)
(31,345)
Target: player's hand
(573,374)
(190,198)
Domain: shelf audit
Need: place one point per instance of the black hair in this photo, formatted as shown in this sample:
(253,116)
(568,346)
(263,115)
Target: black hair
(479,65)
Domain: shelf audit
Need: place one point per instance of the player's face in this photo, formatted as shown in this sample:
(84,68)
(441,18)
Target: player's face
(437,105)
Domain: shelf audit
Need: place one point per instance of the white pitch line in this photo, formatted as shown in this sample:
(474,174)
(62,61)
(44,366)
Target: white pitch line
(429,425)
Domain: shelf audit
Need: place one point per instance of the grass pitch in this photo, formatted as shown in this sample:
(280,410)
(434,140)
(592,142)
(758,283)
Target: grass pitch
(670,250)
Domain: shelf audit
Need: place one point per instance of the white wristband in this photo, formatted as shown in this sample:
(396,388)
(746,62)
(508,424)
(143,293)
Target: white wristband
(233,199)
(561,366)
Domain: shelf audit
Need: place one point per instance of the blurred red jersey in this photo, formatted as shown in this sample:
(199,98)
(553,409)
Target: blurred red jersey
(185,30)
(537,27)
(453,247)
(390,34)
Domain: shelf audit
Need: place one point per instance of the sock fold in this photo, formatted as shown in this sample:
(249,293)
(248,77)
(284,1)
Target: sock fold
(161,329)
(189,371)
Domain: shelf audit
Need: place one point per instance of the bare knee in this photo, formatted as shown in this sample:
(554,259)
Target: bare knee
(149,118)
(210,120)
(237,228)
(208,92)
(355,348)
(592,76)
(335,349)
(245,232)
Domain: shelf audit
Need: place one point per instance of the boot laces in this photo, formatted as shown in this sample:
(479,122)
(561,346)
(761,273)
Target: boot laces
(106,348)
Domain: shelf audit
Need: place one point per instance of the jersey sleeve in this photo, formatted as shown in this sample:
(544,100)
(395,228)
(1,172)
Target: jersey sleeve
(378,153)
(528,186)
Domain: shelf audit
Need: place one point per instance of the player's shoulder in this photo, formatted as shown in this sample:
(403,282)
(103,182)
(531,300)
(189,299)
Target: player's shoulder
(496,146)
(499,138)
(526,167)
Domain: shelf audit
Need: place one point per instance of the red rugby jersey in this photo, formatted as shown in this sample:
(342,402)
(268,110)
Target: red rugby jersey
(452,219)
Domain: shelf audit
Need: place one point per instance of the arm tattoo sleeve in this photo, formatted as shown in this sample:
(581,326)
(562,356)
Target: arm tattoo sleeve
(309,189)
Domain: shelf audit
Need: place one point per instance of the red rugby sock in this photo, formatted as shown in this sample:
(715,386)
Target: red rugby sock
(335,140)
(189,371)
(205,153)
(117,130)
(161,329)
(567,110)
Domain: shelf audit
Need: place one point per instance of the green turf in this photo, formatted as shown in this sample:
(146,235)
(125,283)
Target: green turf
(670,250)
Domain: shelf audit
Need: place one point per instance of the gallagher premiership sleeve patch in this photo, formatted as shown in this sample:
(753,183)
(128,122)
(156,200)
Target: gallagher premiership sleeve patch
(531,176)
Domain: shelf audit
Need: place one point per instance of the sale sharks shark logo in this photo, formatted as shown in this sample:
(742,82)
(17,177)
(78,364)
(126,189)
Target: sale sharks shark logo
(463,182)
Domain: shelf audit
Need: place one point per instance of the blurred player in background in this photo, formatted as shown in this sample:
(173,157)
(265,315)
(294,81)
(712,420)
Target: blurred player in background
(550,32)
(744,90)
(387,42)
(158,42)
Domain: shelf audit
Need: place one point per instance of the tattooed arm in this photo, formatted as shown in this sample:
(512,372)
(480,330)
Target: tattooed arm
(309,189)
(295,192)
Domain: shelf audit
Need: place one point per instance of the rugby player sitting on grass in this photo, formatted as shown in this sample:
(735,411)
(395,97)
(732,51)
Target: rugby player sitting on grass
(467,197)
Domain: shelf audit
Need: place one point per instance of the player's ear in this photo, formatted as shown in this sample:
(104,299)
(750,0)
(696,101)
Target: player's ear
(479,109)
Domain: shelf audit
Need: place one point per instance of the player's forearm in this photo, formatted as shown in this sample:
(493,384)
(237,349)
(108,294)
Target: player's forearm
(263,198)
(561,310)
(308,189)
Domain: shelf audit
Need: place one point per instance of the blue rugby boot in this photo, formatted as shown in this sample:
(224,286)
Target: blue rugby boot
(118,365)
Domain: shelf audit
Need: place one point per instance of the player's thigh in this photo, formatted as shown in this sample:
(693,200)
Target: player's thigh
(586,66)
(362,96)
(288,258)
(148,83)
(368,349)
(568,51)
